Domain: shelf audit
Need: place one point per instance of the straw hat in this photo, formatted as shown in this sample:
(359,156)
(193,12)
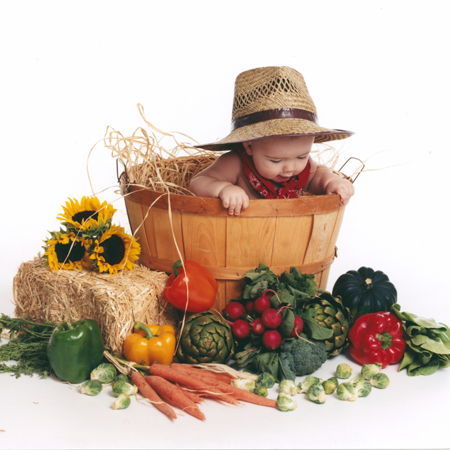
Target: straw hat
(273,101)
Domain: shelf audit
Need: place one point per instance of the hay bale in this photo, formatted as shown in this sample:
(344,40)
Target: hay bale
(115,302)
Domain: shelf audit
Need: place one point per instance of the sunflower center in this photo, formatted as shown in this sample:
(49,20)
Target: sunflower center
(84,215)
(64,252)
(113,250)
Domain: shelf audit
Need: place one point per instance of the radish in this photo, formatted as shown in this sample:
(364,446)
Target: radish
(241,329)
(258,327)
(262,303)
(249,307)
(271,339)
(298,327)
(234,310)
(271,318)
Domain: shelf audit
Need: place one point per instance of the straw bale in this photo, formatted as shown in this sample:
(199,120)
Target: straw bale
(115,302)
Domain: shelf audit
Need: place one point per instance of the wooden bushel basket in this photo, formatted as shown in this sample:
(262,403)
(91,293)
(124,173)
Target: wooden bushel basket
(279,233)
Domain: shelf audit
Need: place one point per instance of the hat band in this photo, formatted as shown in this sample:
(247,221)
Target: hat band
(271,114)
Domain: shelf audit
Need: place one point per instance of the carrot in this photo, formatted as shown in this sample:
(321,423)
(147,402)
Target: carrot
(147,391)
(241,394)
(226,378)
(182,378)
(174,395)
(190,394)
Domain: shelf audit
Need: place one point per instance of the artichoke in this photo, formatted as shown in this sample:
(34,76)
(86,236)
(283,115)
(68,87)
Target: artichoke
(205,338)
(330,313)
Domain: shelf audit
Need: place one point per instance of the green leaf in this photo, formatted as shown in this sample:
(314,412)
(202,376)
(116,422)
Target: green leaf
(246,357)
(408,358)
(431,342)
(268,362)
(428,368)
(287,324)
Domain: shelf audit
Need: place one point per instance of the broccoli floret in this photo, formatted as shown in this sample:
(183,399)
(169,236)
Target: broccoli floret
(299,357)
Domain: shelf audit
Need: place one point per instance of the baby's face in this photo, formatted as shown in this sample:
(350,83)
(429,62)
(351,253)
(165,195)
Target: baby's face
(280,158)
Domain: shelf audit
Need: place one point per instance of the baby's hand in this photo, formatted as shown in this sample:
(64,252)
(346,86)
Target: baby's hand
(342,187)
(234,198)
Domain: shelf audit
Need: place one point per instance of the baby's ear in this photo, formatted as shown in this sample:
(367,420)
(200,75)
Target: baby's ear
(248,147)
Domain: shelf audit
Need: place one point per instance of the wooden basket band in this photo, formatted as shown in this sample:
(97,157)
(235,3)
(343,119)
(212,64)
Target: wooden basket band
(237,273)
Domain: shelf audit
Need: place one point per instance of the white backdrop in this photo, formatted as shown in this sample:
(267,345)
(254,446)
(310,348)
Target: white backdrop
(70,69)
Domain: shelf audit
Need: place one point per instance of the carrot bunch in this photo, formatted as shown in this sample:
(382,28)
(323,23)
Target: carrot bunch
(184,387)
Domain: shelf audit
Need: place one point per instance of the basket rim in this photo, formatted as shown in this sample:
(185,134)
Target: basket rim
(307,205)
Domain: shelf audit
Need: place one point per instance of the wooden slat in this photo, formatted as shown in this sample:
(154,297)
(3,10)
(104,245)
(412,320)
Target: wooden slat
(204,239)
(320,238)
(250,242)
(164,237)
(291,240)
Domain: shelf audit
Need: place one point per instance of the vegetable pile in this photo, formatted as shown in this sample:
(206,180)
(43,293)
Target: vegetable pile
(285,325)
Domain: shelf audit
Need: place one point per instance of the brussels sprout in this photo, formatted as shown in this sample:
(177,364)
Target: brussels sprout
(121,377)
(379,381)
(261,390)
(307,383)
(369,370)
(289,387)
(91,387)
(330,385)
(316,394)
(346,391)
(122,401)
(104,373)
(266,379)
(244,383)
(356,380)
(123,387)
(362,386)
(286,402)
(344,371)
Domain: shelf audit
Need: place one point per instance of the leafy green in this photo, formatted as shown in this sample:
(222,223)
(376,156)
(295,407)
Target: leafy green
(27,345)
(268,362)
(287,324)
(428,344)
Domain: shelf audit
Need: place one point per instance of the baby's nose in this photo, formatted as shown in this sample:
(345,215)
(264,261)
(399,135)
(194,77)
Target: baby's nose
(288,167)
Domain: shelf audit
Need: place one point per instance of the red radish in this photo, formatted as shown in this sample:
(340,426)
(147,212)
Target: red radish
(271,339)
(263,302)
(249,307)
(257,327)
(241,329)
(234,310)
(271,318)
(298,327)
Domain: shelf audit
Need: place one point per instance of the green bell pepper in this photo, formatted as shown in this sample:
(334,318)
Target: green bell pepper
(74,350)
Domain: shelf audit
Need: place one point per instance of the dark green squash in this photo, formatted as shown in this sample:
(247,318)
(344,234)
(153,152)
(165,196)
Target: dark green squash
(365,291)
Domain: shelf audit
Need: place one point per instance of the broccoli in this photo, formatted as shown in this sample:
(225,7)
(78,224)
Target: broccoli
(299,357)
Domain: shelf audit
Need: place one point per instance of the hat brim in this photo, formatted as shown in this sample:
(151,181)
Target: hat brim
(277,127)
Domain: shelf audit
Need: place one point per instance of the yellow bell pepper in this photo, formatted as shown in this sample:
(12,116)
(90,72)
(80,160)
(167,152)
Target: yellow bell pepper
(150,344)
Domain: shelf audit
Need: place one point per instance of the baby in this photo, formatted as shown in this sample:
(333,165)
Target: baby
(274,126)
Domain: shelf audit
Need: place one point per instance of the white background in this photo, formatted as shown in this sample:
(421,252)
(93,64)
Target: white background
(70,69)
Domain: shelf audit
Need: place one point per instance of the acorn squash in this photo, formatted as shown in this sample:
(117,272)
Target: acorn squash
(365,291)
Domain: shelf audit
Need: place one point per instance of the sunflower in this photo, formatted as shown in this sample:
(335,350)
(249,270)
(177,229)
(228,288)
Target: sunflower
(115,250)
(66,251)
(88,213)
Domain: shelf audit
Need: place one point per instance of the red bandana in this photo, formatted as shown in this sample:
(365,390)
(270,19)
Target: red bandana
(289,189)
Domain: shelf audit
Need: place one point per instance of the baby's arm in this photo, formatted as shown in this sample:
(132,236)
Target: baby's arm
(324,181)
(219,180)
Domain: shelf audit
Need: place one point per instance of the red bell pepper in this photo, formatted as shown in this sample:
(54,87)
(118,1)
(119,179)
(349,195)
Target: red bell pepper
(377,338)
(192,288)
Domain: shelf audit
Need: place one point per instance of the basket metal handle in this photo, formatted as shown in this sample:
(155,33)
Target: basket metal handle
(122,179)
(359,172)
